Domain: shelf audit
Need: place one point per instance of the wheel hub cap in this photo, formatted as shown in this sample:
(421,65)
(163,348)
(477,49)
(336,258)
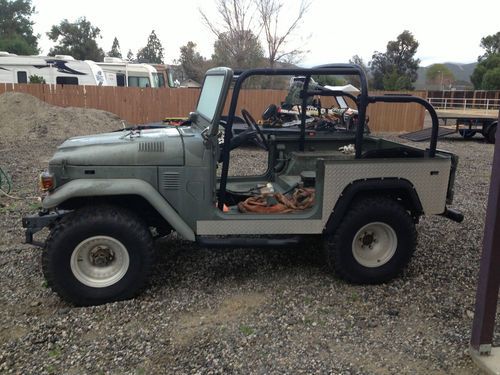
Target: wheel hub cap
(374,244)
(99,261)
(367,239)
(101,256)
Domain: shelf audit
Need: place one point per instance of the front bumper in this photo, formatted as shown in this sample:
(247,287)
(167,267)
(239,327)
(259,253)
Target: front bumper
(35,223)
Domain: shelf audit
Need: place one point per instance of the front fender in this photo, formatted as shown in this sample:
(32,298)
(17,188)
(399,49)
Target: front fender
(107,187)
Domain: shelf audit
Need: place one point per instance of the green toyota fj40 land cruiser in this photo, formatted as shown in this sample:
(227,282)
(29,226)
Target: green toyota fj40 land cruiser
(107,194)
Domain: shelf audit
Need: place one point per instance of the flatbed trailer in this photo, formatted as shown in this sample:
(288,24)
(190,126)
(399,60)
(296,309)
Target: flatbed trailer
(469,122)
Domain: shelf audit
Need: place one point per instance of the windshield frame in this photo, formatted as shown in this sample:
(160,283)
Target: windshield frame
(213,122)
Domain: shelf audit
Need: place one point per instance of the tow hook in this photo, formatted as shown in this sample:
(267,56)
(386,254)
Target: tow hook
(35,223)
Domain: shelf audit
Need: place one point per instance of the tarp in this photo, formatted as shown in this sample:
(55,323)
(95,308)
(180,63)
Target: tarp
(347,88)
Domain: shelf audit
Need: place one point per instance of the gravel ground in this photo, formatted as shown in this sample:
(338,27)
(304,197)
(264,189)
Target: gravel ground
(250,310)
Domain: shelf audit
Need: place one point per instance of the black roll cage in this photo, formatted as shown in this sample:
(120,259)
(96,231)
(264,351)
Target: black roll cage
(362,101)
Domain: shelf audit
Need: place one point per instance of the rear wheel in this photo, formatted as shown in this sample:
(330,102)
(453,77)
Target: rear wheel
(97,255)
(467,133)
(490,135)
(374,242)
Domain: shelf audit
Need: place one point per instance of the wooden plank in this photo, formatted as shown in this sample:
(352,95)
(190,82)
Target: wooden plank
(468,113)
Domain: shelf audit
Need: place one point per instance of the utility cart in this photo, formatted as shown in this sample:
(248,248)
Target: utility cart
(469,122)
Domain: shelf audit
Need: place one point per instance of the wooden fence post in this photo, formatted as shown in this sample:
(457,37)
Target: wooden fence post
(489,274)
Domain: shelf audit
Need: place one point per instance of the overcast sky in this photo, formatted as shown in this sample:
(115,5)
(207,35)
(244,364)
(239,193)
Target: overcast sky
(332,31)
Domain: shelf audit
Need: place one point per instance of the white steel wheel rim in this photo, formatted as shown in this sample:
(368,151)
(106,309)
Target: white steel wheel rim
(99,261)
(374,244)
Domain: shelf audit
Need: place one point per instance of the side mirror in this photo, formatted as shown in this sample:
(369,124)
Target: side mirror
(193,116)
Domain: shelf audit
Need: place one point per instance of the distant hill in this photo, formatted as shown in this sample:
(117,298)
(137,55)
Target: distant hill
(462,73)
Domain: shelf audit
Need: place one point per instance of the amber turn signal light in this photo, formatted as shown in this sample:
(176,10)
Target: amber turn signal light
(47,181)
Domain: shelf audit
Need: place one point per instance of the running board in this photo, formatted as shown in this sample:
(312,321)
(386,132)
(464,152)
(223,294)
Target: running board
(247,241)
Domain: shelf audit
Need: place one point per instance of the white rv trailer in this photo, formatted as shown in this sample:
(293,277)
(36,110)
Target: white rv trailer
(125,73)
(59,69)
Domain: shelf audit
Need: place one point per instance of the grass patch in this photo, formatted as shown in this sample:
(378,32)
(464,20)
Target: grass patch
(35,206)
(55,352)
(246,330)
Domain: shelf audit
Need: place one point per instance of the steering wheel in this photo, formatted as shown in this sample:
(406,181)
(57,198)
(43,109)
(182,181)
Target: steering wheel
(259,138)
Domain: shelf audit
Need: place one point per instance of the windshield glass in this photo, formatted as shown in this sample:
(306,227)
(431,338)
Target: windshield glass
(159,80)
(209,96)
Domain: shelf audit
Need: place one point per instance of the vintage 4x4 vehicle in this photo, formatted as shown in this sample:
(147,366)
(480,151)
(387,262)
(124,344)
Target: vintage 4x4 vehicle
(108,195)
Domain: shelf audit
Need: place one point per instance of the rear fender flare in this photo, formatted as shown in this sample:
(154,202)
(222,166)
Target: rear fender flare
(373,187)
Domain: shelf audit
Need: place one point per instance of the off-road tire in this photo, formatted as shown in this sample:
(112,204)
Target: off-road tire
(380,213)
(490,135)
(467,133)
(115,225)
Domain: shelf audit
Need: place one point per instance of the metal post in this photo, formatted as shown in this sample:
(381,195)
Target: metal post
(489,277)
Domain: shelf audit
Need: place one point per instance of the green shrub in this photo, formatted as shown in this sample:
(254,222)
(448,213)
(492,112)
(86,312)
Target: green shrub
(36,79)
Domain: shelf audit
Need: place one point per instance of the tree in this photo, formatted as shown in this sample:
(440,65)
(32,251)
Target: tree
(193,64)
(130,55)
(396,69)
(491,45)
(356,59)
(491,80)
(16,27)
(115,49)
(16,44)
(77,39)
(240,49)
(394,81)
(440,76)
(237,45)
(276,40)
(355,79)
(153,52)
(486,74)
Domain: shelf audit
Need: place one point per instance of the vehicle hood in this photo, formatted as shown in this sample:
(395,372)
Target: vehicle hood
(146,147)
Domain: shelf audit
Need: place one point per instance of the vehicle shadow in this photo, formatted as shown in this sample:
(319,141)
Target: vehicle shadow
(180,262)
(478,138)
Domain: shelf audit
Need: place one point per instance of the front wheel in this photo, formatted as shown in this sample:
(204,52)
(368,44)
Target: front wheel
(97,255)
(374,242)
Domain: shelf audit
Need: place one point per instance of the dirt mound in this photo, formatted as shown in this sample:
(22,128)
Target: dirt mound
(23,115)
(31,130)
